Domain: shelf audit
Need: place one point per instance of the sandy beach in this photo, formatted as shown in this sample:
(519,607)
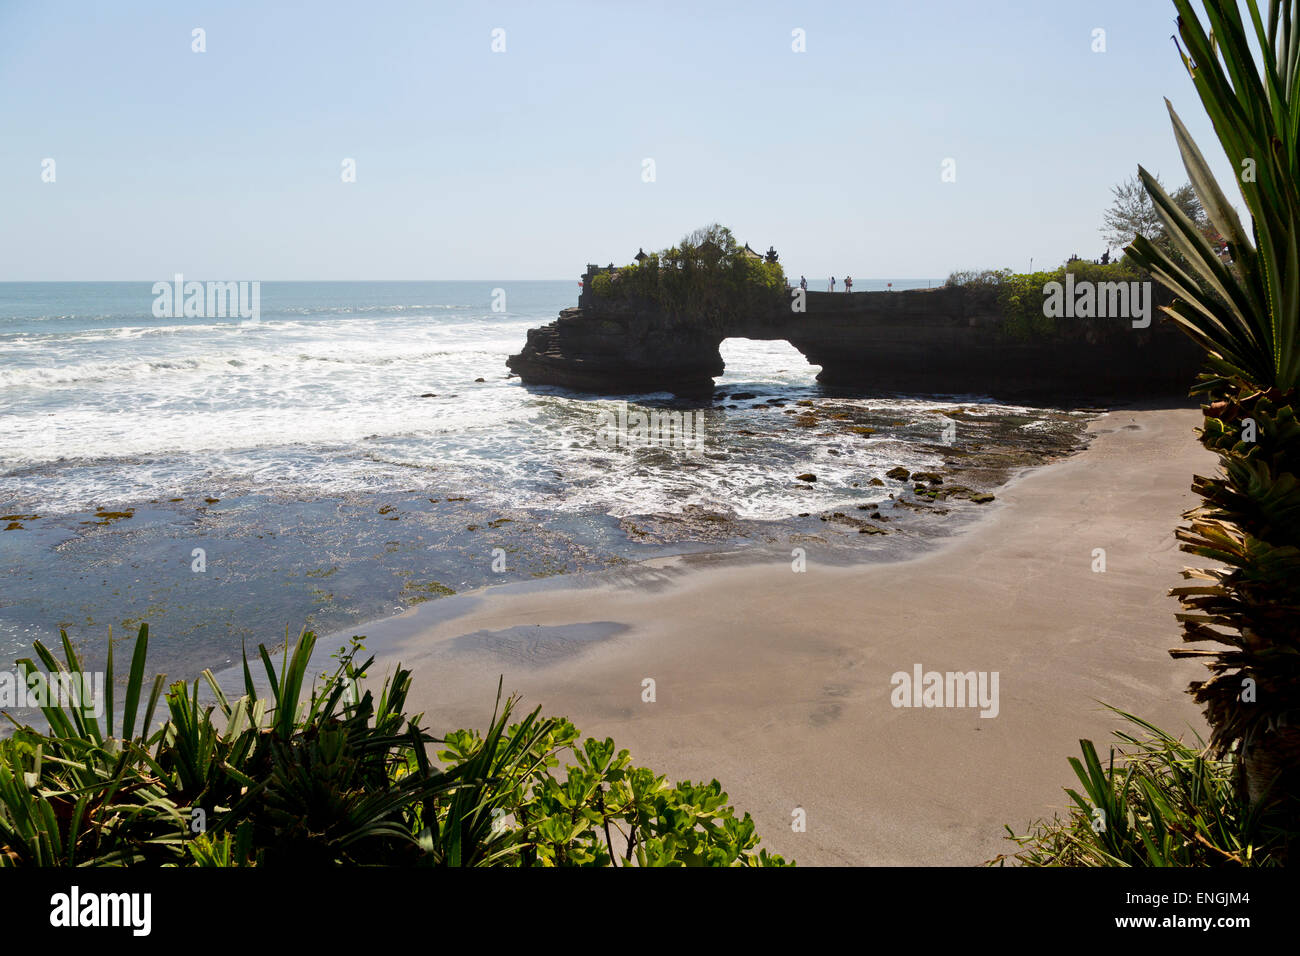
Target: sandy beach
(778,683)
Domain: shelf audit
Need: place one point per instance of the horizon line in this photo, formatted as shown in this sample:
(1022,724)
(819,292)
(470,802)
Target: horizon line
(133,281)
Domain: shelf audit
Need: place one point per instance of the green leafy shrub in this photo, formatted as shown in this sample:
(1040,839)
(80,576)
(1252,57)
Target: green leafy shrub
(1155,802)
(603,810)
(327,774)
(602,284)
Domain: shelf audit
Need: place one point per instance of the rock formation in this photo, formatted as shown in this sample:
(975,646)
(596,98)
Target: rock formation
(940,341)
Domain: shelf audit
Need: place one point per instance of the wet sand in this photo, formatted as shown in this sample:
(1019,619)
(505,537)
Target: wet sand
(778,683)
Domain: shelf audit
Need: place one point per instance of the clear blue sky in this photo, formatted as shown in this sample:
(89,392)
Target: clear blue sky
(528,163)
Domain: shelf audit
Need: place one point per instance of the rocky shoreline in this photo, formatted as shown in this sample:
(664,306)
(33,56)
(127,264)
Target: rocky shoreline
(326,562)
(980,449)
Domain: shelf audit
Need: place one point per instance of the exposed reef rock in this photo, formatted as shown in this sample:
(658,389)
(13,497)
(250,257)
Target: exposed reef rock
(939,341)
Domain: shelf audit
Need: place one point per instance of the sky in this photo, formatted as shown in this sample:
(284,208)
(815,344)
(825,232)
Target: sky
(530,161)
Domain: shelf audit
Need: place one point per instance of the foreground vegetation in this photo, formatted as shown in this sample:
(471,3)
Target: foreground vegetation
(1239,802)
(1155,801)
(1246,314)
(328,774)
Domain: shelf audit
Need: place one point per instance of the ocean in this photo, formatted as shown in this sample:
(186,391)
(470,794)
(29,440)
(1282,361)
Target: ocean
(361,448)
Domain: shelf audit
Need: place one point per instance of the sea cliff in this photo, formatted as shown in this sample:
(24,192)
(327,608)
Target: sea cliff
(927,341)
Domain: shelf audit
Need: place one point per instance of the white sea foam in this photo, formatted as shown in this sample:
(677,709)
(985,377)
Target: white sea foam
(330,402)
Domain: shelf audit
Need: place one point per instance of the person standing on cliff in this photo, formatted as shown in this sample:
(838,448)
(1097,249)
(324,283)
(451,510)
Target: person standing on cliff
(803,283)
(848,283)
(832,283)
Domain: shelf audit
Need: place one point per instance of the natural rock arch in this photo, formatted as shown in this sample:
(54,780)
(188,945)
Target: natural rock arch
(795,361)
(924,341)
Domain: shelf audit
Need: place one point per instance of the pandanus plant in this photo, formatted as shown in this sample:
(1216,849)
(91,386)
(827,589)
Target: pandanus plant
(1243,307)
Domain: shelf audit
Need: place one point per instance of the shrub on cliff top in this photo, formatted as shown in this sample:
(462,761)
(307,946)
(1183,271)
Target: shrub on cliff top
(1020,296)
(976,277)
(324,773)
(705,279)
